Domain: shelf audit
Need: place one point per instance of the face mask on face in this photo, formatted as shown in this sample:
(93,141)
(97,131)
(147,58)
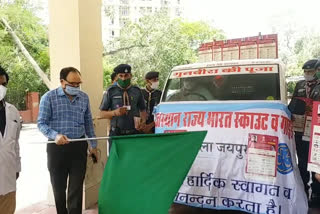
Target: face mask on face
(3,92)
(154,85)
(124,83)
(309,77)
(73,91)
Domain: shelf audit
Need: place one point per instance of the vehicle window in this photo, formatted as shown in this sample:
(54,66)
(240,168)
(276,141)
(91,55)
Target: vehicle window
(224,87)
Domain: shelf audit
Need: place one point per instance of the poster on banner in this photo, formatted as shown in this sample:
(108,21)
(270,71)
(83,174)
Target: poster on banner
(262,157)
(246,161)
(314,148)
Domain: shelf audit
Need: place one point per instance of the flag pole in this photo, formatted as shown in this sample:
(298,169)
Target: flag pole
(73,140)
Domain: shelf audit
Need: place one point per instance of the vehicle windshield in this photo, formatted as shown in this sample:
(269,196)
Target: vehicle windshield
(223,87)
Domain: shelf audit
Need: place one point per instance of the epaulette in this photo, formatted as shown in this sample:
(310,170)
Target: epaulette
(136,87)
(111,87)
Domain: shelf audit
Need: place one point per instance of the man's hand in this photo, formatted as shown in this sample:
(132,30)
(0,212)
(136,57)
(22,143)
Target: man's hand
(17,175)
(94,153)
(120,111)
(148,128)
(142,127)
(61,139)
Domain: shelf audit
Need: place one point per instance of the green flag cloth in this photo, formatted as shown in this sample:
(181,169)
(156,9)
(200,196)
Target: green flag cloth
(144,172)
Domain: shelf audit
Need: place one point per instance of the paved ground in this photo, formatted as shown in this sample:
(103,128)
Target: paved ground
(43,208)
(33,184)
(34,181)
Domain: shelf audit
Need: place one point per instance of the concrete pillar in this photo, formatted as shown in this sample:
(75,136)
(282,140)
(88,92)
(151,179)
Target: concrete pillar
(75,40)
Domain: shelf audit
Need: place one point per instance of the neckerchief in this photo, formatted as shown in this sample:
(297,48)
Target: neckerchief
(149,100)
(125,97)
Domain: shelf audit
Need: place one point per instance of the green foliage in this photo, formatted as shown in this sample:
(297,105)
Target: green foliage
(33,35)
(291,86)
(158,43)
(107,71)
(297,43)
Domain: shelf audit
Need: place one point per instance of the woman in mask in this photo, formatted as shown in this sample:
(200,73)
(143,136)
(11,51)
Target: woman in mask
(152,97)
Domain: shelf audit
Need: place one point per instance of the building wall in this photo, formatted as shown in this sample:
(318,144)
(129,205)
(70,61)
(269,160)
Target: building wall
(30,115)
(116,13)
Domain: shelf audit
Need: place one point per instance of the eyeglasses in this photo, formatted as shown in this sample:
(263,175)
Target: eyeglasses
(73,84)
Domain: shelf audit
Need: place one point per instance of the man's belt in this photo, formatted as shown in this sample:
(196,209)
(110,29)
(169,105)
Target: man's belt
(119,131)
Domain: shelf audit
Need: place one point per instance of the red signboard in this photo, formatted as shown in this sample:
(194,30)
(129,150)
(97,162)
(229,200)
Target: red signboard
(256,47)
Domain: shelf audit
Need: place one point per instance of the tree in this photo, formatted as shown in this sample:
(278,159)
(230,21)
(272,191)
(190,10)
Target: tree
(297,43)
(33,35)
(157,43)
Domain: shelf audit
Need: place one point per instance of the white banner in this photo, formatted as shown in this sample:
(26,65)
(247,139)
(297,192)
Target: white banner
(247,160)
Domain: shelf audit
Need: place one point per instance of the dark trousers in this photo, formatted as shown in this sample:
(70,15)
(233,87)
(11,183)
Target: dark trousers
(67,161)
(119,132)
(303,152)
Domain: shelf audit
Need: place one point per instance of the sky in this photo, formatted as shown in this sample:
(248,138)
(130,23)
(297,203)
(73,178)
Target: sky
(242,18)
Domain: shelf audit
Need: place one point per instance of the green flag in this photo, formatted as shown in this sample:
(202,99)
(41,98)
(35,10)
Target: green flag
(144,172)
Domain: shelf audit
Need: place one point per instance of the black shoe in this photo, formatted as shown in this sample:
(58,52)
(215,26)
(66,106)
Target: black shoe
(315,201)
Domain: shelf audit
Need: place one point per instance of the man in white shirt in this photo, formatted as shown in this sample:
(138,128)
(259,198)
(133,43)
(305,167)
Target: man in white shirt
(10,165)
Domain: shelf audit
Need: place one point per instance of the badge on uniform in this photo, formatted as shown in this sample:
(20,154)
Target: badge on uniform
(128,107)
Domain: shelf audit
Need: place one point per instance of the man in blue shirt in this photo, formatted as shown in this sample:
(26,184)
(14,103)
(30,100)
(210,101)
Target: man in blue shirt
(65,114)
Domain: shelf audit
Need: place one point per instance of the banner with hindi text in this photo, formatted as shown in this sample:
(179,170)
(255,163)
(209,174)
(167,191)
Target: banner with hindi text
(247,160)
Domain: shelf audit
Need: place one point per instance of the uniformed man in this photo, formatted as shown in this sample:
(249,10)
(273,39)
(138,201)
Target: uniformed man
(124,105)
(152,97)
(308,88)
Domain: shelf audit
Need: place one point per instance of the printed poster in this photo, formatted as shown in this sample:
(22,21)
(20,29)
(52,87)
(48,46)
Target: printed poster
(314,148)
(262,157)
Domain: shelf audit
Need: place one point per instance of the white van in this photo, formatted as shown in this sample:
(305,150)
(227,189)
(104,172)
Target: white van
(258,79)
(247,160)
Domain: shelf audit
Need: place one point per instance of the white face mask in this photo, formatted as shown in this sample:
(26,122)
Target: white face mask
(73,91)
(154,85)
(309,77)
(3,92)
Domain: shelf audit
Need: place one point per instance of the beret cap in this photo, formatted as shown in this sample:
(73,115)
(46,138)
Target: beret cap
(151,74)
(122,68)
(310,64)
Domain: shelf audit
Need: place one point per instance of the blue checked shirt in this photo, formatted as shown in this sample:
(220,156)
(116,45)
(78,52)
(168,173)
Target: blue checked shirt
(59,115)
